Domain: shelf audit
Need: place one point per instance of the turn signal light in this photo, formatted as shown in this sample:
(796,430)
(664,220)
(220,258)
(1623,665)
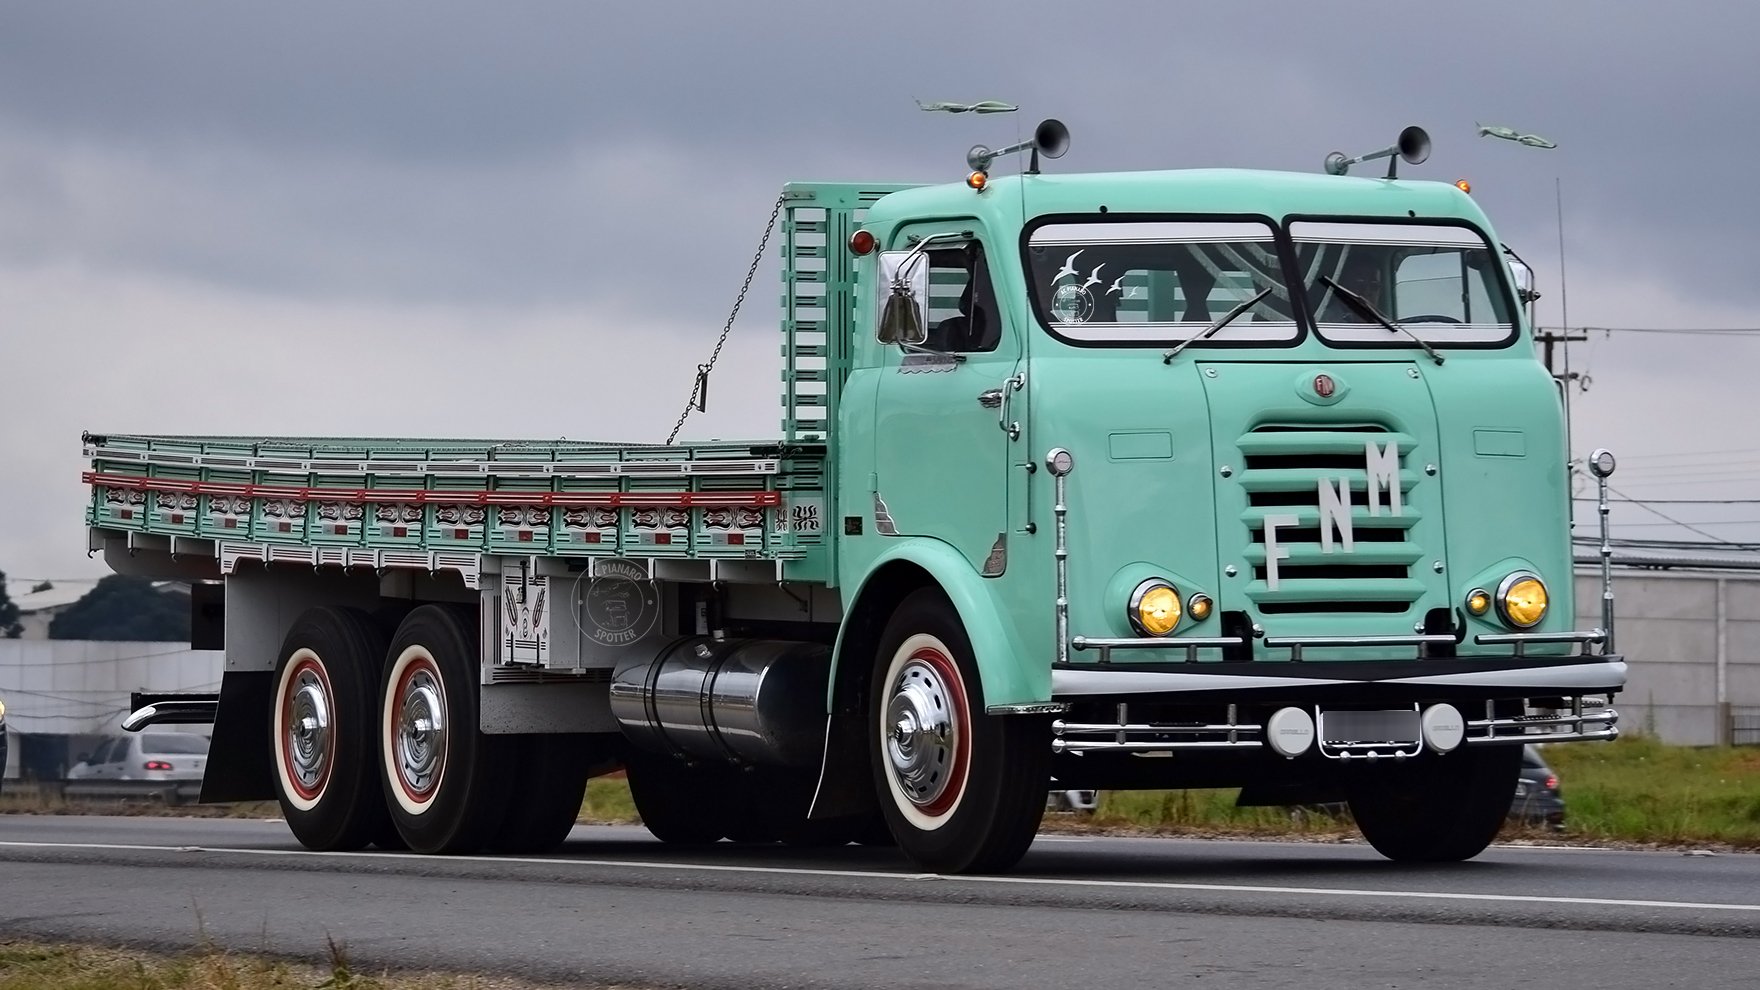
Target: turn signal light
(861,242)
(1463,185)
(1199,606)
(156,765)
(977,180)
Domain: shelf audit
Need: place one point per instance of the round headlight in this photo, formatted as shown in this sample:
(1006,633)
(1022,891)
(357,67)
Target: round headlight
(1521,600)
(1154,608)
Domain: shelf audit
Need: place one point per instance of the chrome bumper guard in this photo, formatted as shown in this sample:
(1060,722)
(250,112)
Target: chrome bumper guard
(1586,720)
(1078,737)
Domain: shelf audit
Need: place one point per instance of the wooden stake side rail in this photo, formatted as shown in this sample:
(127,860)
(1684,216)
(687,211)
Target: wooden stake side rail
(709,501)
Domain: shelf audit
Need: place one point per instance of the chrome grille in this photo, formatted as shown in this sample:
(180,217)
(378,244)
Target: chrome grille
(1282,470)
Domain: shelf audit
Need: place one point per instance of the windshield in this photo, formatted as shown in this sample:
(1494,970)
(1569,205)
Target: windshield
(1159,282)
(1438,281)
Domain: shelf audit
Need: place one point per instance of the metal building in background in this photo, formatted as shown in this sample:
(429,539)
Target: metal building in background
(1689,625)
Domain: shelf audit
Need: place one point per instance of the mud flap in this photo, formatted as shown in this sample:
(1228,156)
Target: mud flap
(846,785)
(240,764)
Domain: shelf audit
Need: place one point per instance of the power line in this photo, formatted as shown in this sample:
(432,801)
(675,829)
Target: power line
(1690,331)
(1720,522)
(1672,501)
(1663,515)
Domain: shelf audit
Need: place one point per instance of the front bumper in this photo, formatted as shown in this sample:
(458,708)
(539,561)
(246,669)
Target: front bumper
(1217,705)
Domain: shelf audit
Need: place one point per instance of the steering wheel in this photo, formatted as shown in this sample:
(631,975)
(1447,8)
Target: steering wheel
(1427,318)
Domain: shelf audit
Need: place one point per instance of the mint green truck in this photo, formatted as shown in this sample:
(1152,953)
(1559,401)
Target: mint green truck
(1209,478)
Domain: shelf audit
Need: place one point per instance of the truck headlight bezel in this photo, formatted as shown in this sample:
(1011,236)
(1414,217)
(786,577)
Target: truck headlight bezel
(1508,586)
(1155,596)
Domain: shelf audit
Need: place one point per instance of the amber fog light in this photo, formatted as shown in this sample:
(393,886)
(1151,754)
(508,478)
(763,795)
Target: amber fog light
(1154,608)
(1522,600)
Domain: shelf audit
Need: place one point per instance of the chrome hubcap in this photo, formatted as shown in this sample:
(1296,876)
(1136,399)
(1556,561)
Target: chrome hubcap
(421,733)
(923,733)
(308,730)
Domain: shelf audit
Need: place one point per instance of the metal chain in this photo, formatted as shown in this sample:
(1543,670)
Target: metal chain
(700,390)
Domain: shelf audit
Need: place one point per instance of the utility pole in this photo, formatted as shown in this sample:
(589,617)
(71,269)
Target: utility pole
(1558,335)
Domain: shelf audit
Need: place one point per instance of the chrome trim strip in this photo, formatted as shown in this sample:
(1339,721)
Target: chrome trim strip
(883,522)
(1281,642)
(1583,636)
(1060,510)
(1191,645)
(1607,675)
(1080,682)
(1028,708)
(1296,644)
(1600,676)
(1606,558)
(1080,746)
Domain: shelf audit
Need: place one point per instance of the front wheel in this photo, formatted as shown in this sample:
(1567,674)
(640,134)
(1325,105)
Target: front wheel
(1435,809)
(962,791)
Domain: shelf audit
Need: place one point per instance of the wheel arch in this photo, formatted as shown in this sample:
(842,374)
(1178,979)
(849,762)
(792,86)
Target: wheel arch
(997,648)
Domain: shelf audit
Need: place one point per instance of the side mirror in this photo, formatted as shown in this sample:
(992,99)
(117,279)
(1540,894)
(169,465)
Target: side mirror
(82,759)
(904,280)
(1524,279)
(901,322)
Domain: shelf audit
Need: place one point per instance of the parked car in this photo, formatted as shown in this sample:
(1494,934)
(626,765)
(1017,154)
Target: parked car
(2,745)
(1084,801)
(163,765)
(1538,800)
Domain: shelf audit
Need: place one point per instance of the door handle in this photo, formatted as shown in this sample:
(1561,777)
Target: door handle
(990,398)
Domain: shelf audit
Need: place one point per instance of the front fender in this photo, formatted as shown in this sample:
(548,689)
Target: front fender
(1011,673)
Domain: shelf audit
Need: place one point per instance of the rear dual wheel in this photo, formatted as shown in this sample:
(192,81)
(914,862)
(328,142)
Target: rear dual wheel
(326,688)
(446,783)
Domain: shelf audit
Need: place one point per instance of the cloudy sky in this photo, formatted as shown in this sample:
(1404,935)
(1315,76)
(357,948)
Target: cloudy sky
(528,219)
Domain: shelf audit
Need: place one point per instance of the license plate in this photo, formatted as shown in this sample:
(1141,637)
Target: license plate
(1399,726)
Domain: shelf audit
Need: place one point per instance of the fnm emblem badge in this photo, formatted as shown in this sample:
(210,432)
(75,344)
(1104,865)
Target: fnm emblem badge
(1324,386)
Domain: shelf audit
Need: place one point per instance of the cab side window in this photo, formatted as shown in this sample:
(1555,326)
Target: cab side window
(963,317)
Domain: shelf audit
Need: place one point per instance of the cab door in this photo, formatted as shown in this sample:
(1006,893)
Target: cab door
(947,411)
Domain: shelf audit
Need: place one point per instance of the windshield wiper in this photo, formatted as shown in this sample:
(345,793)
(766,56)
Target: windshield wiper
(1210,330)
(1367,309)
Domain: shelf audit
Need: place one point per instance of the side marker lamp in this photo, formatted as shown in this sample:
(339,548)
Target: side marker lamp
(1478,601)
(1199,607)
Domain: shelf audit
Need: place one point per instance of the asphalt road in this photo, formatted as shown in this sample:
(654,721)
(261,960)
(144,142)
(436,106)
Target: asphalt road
(614,906)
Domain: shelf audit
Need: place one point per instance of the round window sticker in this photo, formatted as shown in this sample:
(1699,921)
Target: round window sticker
(1072,303)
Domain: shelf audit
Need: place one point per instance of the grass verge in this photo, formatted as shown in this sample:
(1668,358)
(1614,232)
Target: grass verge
(34,965)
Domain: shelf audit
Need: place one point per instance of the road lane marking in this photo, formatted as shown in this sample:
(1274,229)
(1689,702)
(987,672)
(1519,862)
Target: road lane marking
(1214,888)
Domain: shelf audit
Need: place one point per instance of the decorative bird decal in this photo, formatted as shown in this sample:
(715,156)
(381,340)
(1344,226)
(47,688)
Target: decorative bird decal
(985,106)
(1117,285)
(1094,276)
(1511,134)
(1069,267)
